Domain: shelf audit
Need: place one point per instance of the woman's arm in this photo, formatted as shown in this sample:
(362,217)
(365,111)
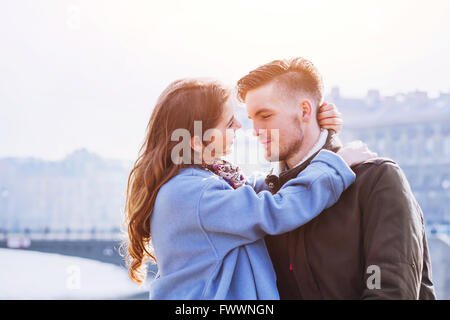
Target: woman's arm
(231,218)
(257,181)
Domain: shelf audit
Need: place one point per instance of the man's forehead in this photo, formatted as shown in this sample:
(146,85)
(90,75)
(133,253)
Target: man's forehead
(264,89)
(263,95)
(261,101)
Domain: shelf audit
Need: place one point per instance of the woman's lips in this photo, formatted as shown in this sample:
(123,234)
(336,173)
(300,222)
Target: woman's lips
(266,143)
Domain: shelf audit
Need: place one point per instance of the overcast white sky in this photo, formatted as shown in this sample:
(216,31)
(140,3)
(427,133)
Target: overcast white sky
(86,73)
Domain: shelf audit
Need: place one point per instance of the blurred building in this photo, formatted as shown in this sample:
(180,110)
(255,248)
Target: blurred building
(81,194)
(413,130)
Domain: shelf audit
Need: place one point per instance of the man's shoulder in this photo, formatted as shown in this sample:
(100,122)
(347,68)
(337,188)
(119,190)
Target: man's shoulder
(378,170)
(376,165)
(381,174)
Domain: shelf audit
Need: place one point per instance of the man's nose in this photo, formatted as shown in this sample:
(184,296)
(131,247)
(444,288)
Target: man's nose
(258,129)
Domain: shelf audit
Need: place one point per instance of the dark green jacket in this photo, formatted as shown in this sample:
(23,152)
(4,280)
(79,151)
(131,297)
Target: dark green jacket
(377,223)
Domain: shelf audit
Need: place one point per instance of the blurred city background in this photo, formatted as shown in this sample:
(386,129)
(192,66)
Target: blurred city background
(78,80)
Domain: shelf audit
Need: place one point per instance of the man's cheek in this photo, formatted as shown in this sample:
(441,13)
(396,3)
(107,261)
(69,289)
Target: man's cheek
(274,134)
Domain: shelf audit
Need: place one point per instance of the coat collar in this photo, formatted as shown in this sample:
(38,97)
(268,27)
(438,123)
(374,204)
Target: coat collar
(274,182)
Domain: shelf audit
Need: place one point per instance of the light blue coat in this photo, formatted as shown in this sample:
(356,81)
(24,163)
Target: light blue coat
(208,238)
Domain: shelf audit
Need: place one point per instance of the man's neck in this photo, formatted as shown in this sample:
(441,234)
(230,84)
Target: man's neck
(309,140)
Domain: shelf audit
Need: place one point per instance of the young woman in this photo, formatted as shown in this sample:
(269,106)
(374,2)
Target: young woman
(205,223)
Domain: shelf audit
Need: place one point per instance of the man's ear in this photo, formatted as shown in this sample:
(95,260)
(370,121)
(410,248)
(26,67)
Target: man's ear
(196,144)
(307,111)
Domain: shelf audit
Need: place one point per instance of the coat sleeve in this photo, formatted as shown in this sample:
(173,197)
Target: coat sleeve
(426,287)
(231,218)
(257,182)
(393,237)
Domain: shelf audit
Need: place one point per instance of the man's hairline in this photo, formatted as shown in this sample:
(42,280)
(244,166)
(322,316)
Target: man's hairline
(277,82)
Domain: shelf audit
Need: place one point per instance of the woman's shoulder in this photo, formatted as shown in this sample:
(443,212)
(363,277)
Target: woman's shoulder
(181,194)
(191,181)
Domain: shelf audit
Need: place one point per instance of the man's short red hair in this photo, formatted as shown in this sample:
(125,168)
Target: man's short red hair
(295,75)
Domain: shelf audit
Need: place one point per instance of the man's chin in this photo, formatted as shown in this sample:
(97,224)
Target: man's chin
(271,158)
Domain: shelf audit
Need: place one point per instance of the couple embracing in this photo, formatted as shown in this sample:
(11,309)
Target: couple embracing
(333,221)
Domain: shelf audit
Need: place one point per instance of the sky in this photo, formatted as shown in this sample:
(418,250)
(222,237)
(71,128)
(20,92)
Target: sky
(86,74)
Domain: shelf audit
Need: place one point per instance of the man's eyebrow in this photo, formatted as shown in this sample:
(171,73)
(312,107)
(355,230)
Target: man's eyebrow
(261,111)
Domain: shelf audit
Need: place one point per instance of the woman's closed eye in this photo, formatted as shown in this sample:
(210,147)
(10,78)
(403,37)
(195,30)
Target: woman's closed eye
(230,123)
(266,116)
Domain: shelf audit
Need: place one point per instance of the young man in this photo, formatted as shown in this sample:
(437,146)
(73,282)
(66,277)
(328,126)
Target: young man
(371,244)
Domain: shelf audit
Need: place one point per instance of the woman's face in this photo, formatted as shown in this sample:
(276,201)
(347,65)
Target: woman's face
(224,132)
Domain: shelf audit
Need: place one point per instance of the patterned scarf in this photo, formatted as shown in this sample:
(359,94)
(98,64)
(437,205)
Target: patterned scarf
(230,173)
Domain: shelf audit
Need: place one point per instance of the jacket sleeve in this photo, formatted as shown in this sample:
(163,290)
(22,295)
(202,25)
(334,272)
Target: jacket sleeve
(257,182)
(231,218)
(426,287)
(393,233)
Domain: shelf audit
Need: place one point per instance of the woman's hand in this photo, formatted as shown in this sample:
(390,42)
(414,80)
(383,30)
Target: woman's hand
(355,153)
(329,117)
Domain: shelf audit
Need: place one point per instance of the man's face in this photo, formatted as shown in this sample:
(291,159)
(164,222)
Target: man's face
(271,110)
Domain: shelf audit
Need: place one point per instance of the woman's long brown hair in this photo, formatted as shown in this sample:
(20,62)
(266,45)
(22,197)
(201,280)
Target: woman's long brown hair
(180,104)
